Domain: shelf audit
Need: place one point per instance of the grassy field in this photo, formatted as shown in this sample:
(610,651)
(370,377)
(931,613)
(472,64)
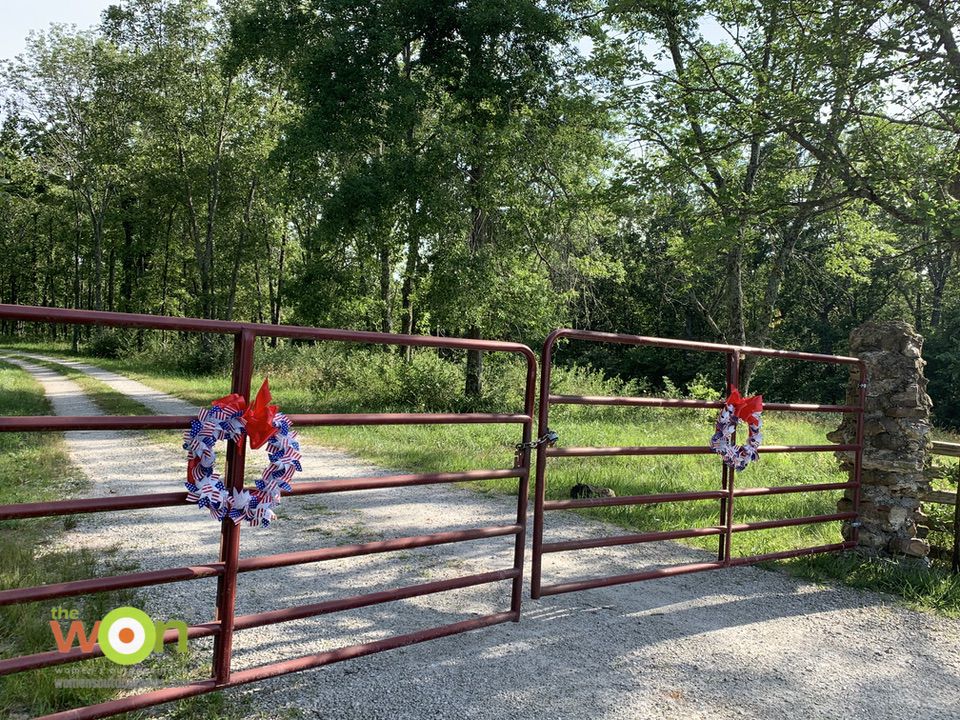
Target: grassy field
(437,448)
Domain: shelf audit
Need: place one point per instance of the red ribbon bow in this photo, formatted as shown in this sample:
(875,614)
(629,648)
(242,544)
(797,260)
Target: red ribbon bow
(745,408)
(258,418)
(231,402)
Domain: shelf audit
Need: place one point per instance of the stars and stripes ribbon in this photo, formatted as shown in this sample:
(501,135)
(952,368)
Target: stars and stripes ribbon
(738,409)
(229,418)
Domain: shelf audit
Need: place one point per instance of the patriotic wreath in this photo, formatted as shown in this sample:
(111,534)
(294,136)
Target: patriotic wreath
(735,410)
(229,419)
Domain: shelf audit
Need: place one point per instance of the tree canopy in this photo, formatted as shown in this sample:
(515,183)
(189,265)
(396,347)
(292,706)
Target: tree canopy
(747,172)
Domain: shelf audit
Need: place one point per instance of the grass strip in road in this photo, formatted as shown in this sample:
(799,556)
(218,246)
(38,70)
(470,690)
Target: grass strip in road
(110,401)
(107,400)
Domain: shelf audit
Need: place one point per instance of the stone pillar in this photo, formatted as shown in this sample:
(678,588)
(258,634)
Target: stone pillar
(896,439)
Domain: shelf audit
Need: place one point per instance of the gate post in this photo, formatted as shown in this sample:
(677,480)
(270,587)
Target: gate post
(243,347)
(896,428)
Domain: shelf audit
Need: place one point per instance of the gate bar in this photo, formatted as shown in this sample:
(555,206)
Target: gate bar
(259,562)
(629,578)
(178,422)
(630,539)
(687,403)
(633,500)
(31,313)
(270,617)
(681,450)
(787,554)
(671,343)
(789,522)
(112,582)
(243,348)
(783,489)
(155,500)
(725,477)
(726,545)
(304,557)
(284,667)
(75,654)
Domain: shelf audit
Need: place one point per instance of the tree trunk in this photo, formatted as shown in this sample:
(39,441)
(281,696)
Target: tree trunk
(240,248)
(738,333)
(771,298)
(939,271)
(479,233)
(111,276)
(277,298)
(75,341)
(128,268)
(199,253)
(413,240)
(259,287)
(165,279)
(96,281)
(386,318)
(409,279)
(474,385)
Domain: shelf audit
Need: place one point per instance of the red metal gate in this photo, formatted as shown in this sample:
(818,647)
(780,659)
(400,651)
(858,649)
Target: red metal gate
(230,563)
(725,494)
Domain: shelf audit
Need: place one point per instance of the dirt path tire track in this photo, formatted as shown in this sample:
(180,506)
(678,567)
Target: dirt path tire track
(724,644)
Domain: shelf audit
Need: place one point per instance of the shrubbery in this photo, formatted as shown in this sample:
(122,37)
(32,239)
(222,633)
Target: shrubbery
(351,378)
(378,380)
(110,344)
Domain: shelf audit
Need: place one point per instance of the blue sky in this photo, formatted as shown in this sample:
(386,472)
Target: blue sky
(22,16)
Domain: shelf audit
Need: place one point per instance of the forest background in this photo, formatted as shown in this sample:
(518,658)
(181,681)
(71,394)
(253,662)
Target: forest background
(763,173)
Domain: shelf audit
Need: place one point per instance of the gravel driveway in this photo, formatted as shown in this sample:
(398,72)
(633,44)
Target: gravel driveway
(735,643)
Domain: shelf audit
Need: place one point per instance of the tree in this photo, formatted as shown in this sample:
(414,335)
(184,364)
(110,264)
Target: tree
(68,95)
(425,120)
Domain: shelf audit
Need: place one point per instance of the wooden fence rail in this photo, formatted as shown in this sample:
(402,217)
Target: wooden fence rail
(942,497)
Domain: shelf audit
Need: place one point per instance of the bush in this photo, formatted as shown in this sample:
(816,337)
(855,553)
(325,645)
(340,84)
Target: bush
(701,389)
(586,380)
(374,380)
(111,344)
(193,355)
(428,383)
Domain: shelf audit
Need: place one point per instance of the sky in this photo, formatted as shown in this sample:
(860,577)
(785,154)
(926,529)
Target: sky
(22,16)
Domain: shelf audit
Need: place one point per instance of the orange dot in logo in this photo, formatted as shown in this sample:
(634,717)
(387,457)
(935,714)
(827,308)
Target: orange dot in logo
(126,635)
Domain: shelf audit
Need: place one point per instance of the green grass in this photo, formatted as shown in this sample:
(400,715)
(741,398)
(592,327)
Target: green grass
(430,448)
(920,588)
(438,448)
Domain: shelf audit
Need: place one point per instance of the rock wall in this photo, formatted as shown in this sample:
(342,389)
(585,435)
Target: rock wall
(896,439)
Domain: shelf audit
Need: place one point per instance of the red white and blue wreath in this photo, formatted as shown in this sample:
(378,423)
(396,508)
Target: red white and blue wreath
(735,410)
(230,419)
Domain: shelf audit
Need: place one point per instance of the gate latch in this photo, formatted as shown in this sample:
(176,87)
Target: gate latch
(549,438)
